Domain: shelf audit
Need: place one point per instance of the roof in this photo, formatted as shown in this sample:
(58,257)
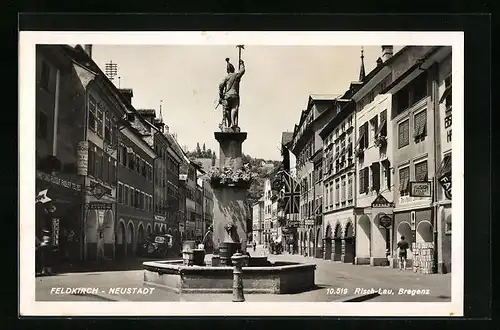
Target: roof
(286,137)
(323,97)
(147,112)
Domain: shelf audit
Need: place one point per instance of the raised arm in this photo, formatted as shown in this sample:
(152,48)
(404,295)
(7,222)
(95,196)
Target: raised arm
(241,69)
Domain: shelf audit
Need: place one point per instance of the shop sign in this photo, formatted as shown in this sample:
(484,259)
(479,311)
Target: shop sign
(385,221)
(82,157)
(98,190)
(55,231)
(58,181)
(445,182)
(381,201)
(420,189)
(160,218)
(42,197)
(98,206)
(309,222)
(293,223)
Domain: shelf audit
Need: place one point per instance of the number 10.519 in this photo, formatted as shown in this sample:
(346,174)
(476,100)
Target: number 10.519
(336,290)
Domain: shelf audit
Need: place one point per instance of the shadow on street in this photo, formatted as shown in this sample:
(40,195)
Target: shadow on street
(106,265)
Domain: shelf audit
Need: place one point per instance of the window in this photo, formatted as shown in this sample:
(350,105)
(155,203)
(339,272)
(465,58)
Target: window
(375,176)
(404,134)
(421,171)
(45,76)
(105,168)
(420,123)
(331,194)
(108,130)
(343,191)
(92,114)
(349,188)
(404,181)
(42,125)
(419,88)
(99,120)
(131,160)
(123,156)
(326,195)
(383,123)
(120,193)
(98,164)
(337,192)
(386,172)
(373,126)
(132,197)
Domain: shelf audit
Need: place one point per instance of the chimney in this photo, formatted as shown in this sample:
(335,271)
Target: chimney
(128,94)
(159,124)
(88,50)
(387,52)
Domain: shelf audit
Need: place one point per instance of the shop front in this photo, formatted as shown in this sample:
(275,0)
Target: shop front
(444,215)
(63,198)
(99,215)
(339,242)
(418,229)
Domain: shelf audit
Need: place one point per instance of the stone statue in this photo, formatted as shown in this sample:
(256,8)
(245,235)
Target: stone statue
(229,95)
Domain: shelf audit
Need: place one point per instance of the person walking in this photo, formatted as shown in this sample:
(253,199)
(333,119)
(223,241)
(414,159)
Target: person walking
(254,246)
(403,247)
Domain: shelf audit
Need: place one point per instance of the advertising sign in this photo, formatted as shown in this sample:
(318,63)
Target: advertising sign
(385,221)
(55,231)
(82,157)
(98,206)
(420,189)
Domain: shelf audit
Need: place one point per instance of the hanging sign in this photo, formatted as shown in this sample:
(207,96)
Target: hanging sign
(385,221)
(55,231)
(82,157)
(42,197)
(98,190)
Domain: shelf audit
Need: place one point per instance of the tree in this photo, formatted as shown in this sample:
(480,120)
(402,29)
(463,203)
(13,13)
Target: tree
(198,150)
(204,150)
(208,154)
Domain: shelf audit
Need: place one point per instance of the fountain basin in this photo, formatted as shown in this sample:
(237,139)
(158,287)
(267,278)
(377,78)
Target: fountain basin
(278,277)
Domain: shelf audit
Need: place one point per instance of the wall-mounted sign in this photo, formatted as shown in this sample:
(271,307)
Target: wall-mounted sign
(309,222)
(385,221)
(55,231)
(445,182)
(160,218)
(58,181)
(98,190)
(98,206)
(420,189)
(82,157)
(381,201)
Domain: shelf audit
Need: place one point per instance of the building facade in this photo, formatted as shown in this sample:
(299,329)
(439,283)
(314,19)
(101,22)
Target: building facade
(415,102)
(258,221)
(267,212)
(135,192)
(305,144)
(338,179)
(60,116)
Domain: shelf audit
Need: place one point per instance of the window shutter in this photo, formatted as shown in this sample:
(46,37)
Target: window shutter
(361,181)
(366,177)
(105,168)
(376,176)
(91,159)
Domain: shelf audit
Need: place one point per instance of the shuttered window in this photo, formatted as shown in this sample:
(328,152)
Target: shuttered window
(420,120)
(92,162)
(375,176)
(421,171)
(404,181)
(349,188)
(404,134)
(361,181)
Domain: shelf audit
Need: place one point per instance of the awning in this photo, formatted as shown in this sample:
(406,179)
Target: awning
(379,129)
(446,93)
(445,167)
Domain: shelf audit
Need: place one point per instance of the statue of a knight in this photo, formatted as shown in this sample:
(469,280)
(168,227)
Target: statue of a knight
(229,94)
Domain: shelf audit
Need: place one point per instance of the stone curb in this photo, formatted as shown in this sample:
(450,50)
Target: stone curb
(360,298)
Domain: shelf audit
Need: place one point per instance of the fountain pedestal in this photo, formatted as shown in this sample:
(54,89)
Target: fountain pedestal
(230,200)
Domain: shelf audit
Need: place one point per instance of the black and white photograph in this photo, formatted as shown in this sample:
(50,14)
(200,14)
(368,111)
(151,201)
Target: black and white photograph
(241,173)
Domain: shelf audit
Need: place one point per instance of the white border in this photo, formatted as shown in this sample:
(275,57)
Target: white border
(28,305)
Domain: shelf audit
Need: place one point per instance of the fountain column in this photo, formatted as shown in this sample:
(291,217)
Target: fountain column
(230,198)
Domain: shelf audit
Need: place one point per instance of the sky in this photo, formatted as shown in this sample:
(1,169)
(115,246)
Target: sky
(273,91)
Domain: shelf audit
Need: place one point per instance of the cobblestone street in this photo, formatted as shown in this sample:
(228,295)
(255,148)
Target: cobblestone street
(335,282)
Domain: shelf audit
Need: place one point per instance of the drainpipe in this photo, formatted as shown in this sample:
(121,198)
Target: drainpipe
(355,181)
(56,112)
(438,230)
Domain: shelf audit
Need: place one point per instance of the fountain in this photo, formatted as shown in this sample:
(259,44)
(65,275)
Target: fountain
(230,183)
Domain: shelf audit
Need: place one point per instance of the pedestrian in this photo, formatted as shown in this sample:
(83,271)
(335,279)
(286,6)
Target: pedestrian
(46,253)
(254,246)
(403,246)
